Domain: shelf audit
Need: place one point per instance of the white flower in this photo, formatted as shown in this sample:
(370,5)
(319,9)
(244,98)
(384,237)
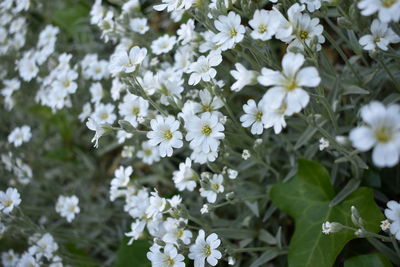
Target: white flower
(287,85)
(204,132)
(137,229)
(127,151)
(44,247)
(95,126)
(265,24)
(157,205)
(327,228)
(381,132)
(202,68)
(20,135)
(165,134)
(205,249)
(186,177)
(68,207)
(27,260)
(175,232)
(127,63)
(27,67)
(186,32)
(96,92)
(86,111)
(323,143)
(132,107)
(208,103)
(246,154)
(172,5)
(139,25)
(230,31)
(393,214)
(385,225)
(66,81)
(275,117)
(163,44)
(215,186)
(381,36)
(204,209)
(388,10)
(9,200)
(253,116)
(243,77)
(9,258)
(168,258)
(232,174)
(104,113)
(122,175)
(313,5)
(148,154)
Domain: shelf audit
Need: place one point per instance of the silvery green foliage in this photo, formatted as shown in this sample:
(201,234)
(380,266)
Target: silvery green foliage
(169,121)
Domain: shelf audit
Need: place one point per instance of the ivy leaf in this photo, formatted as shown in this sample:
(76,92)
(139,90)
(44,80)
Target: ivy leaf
(306,198)
(368,260)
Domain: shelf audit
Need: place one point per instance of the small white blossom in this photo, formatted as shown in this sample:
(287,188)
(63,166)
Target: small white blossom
(381,36)
(68,207)
(230,31)
(205,249)
(165,134)
(323,143)
(393,214)
(9,200)
(388,10)
(243,77)
(139,25)
(20,135)
(382,131)
(202,68)
(246,154)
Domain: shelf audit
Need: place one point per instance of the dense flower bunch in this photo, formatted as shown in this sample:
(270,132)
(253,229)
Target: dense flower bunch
(198,111)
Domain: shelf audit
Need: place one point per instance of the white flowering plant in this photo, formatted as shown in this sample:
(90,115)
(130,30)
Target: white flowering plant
(176,133)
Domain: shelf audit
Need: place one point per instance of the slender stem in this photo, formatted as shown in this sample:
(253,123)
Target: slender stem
(239,200)
(390,74)
(395,244)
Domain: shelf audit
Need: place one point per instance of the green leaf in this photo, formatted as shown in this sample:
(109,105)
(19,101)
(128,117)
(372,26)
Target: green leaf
(133,255)
(306,197)
(368,260)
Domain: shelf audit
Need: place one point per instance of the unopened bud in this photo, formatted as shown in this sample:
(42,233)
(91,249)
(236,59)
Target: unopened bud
(331,227)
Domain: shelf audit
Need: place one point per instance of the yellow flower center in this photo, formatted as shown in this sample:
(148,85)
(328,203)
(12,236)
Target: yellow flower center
(388,3)
(206,130)
(179,234)
(135,110)
(66,83)
(232,33)
(259,116)
(377,39)
(147,152)
(167,134)
(97,70)
(206,108)
(383,134)
(104,116)
(215,187)
(291,85)
(71,208)
(262,28)
(207,250)
(303,35)
(8,203)
(170,261)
